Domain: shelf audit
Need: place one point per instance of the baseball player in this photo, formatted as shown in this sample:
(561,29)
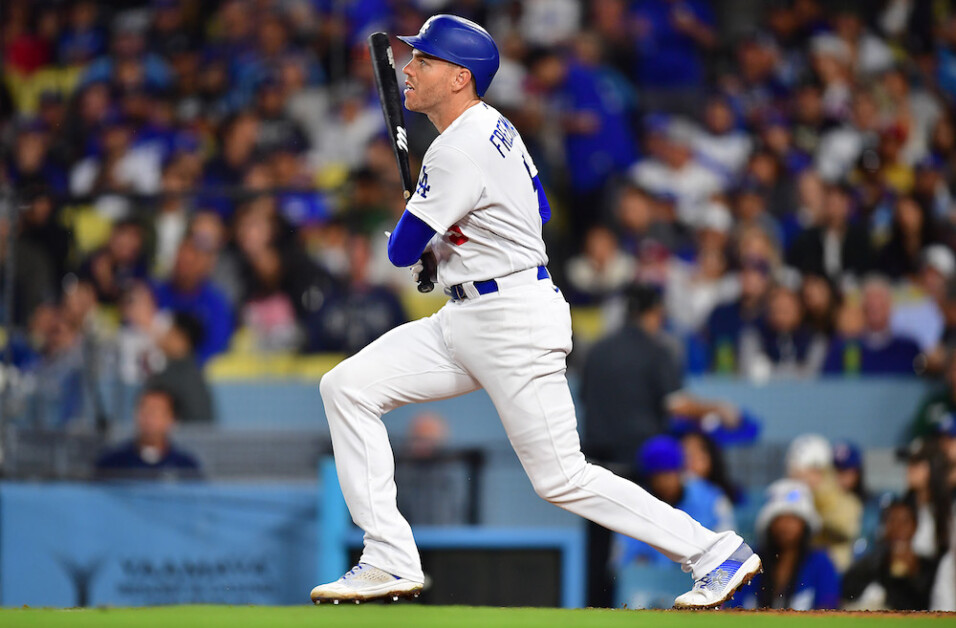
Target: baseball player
(479,209)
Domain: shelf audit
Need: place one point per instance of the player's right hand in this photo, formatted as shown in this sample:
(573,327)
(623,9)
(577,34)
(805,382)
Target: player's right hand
(425,267)
(416,269)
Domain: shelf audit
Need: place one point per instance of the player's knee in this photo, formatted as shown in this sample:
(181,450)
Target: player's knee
(330,386)
(558,488)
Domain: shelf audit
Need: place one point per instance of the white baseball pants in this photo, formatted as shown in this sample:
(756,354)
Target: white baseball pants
(513,343)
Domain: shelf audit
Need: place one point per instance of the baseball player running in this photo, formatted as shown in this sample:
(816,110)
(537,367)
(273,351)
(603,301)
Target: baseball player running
(479,209)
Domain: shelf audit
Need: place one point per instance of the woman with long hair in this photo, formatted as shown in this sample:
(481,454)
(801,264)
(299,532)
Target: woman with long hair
(927,487)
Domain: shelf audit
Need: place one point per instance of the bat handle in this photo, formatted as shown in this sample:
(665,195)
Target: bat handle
(429,265)
(425,286)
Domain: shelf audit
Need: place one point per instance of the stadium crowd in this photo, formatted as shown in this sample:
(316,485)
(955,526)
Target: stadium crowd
(182,176)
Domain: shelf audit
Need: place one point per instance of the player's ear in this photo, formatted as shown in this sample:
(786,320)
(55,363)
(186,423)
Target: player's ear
(462,79)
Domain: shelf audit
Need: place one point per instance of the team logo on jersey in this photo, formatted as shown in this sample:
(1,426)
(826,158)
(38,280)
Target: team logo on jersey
(455,236)
(401,138)
(423,187)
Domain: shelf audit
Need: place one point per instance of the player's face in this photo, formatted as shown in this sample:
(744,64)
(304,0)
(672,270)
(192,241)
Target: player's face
(427,83)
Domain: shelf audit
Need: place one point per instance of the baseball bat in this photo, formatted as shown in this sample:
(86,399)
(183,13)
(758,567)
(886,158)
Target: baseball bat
(383,66)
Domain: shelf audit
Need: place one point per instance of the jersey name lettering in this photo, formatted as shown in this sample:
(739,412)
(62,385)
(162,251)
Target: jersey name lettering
(503,135)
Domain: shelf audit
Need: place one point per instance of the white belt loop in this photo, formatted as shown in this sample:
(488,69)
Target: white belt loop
(468,287)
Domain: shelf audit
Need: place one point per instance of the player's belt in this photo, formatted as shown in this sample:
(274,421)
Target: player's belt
(457,292)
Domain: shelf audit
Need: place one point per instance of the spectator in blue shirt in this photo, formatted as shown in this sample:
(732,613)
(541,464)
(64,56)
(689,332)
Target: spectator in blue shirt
(661,465)
(877,350)
(672,38)
(150,454)
(190,290)
(597,104)
(795,576)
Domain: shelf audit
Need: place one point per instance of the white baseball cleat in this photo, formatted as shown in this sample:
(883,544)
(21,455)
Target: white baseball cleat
(718,586)
(363,583)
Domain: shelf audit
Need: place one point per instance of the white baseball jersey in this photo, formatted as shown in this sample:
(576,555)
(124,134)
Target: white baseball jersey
(476,191)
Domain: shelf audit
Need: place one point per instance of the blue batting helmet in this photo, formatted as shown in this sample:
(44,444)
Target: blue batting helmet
(461,42)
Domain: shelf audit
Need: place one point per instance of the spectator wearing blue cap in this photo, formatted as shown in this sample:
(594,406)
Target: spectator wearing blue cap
(848,462)
(660,465)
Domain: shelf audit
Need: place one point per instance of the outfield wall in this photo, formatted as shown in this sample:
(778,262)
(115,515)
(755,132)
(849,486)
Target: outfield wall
(873,411)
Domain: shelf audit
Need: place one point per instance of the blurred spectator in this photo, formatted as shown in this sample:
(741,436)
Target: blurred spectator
(703,458)
(913,230)
(237,144)
(750,211)
(891,576)
(810,461)
(30,164)
(434,478)
(943,593)
(820,302)
(695,288)
(727,322)
(848,462)
(594,104)
(673,39)
(620,415)
(83,39)
(137,339)
(60,376)
(172,216)
(720,143)
(783,346)
(359,312)
(118,167)
(40,228)
(870,55)
(928,488)
(937,406)
(922,318)
(276,128)
(839,149)
(671,168)
(795,575)
(912,110)
(206,226)
(189,289)
(150,454)
(34,271)
(877,350)
(601,269)
(181,375)
(281,285)
(834,246)
(129,62)
(660,464)
(355,118)
(111,268)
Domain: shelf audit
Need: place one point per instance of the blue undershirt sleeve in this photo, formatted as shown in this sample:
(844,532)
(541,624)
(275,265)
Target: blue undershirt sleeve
(543,207)
(408,241)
